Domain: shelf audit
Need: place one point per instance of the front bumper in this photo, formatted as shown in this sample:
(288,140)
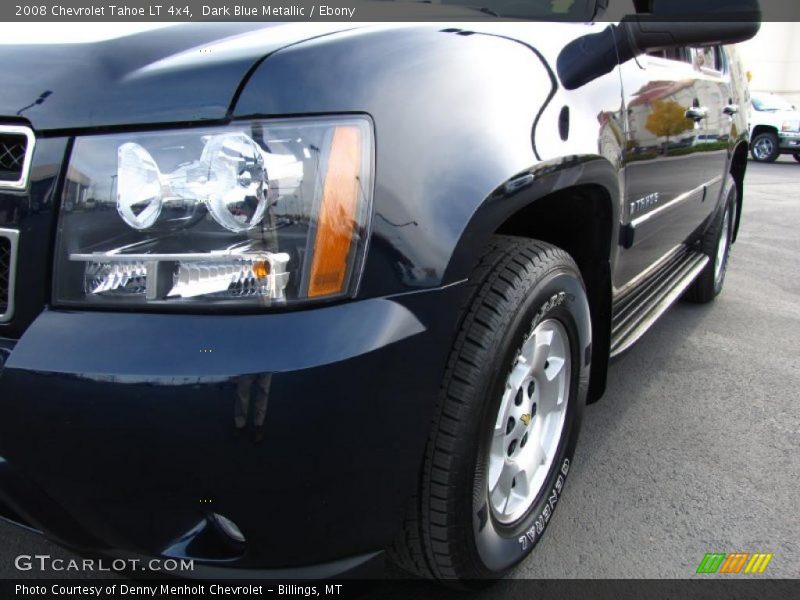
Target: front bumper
(790,141)
(124,433)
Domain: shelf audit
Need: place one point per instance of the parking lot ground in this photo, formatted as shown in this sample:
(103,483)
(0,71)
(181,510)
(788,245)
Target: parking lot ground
(694,447)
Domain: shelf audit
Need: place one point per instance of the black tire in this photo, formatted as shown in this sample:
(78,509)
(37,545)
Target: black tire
(451,532)
(765,147)
(796,156)
(709,283)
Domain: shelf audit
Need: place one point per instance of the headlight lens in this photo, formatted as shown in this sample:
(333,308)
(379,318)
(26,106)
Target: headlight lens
(139,186)
(257,213)
(790,126)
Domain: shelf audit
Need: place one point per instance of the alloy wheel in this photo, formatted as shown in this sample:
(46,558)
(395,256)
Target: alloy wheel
(530,421)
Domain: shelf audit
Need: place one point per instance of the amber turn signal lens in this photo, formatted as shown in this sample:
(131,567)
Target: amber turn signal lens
(261,269)
(338,214)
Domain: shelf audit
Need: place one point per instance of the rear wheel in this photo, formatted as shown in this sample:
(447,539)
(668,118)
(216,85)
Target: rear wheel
(507,419)
(716,243)
(796,156)
(765,147)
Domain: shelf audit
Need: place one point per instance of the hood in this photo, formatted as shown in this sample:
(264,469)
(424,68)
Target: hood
(786,115)
(168,74)
(775,117)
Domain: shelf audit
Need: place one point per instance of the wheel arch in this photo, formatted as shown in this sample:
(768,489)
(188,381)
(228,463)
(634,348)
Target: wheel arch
(759,129)
(573,203)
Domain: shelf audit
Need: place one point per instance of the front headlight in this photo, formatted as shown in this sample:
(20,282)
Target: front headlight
(258,213)
(790,126)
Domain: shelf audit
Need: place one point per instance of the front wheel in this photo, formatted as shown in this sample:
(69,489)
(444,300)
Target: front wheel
(765,147)
(507,420)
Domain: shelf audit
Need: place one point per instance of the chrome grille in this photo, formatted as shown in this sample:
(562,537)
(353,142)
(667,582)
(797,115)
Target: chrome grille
(5,269)
(16,148)
(8,258)
(12,156)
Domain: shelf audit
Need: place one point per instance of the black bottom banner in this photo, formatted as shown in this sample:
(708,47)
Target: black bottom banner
(689,589)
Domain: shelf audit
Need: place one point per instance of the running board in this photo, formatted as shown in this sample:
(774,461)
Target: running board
(636,313)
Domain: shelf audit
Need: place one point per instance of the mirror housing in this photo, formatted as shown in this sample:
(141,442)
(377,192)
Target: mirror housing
(670,24)
(675,23)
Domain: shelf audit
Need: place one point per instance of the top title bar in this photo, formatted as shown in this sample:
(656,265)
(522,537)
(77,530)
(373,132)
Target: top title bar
(361,10)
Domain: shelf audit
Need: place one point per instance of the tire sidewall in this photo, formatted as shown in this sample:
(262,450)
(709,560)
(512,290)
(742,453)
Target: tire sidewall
(560,295)
(728,207)
(775,151)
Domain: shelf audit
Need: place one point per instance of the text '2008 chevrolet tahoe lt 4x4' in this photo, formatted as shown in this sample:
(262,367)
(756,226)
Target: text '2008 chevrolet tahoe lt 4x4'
(279,298)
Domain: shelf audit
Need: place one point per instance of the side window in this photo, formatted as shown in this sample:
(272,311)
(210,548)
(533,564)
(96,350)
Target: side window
(617,9)
(722,59)
(711,58)
(679,54)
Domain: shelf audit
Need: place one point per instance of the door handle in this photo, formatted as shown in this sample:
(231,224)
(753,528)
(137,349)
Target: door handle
(697,113)
(731,109)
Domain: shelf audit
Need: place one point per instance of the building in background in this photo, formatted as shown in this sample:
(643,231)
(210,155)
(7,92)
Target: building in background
(773,60)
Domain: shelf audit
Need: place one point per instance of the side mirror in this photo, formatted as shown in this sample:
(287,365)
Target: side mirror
(675,23)
(671,24)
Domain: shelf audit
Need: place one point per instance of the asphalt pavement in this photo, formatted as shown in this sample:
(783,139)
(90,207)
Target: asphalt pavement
(695,446)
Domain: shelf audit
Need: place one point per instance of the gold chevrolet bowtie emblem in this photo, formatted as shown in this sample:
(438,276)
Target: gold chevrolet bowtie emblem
(525,419)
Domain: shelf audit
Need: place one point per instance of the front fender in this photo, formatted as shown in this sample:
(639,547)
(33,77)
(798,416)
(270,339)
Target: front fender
(453,118)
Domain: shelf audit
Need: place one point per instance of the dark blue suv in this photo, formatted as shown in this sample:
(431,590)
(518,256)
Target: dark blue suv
(278,298)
